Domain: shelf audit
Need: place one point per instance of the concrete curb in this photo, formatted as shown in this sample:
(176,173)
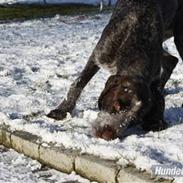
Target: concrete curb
(66,160)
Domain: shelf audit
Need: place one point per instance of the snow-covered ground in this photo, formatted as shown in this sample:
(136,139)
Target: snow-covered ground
(40,59)
(92,2)
(16,167)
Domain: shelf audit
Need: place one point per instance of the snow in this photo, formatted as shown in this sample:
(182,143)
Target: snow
(40,59)
(16,167)
(92,2)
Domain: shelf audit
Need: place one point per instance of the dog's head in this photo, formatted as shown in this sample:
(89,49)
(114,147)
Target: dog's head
(124,100)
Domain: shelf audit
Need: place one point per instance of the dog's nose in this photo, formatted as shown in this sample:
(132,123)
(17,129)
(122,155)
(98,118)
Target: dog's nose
(106,133)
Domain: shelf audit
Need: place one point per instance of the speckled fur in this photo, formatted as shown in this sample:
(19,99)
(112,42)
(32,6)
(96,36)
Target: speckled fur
(130,47)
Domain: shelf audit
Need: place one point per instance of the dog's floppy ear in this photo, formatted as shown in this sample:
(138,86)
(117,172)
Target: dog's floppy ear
(111,82)
(141,103)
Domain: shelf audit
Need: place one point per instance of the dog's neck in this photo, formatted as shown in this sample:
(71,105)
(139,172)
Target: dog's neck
(135,77)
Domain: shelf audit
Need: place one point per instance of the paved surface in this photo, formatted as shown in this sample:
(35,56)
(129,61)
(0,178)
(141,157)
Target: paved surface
(16,167)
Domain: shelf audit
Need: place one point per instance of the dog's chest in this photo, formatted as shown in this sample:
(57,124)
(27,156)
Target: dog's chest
(109,66)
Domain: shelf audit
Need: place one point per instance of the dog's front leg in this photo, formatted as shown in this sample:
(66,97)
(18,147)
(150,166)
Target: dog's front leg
(76,88)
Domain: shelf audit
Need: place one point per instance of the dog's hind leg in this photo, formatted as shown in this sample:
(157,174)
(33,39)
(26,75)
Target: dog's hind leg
(178,30)
(75,90)
(154,119)
(168,63)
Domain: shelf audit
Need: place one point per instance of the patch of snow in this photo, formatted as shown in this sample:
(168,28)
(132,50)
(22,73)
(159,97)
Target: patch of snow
(16,167)
(40,59)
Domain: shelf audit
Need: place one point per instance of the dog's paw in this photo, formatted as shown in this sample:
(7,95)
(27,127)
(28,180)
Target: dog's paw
(57,114)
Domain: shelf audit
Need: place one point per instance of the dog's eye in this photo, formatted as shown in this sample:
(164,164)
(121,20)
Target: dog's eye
(127,90)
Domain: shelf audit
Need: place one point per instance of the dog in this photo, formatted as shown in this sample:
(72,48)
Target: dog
(130,47)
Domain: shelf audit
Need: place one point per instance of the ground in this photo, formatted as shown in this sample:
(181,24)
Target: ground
(40,59)
(15,168)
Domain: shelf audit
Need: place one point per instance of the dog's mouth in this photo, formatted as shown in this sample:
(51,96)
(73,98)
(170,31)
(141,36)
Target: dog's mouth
(106,132)
(111,125)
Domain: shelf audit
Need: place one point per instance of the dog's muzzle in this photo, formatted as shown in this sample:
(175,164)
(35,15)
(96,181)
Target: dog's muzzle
(110,126)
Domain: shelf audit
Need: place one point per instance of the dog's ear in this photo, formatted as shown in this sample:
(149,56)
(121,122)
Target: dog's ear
(127,94)
(111,83)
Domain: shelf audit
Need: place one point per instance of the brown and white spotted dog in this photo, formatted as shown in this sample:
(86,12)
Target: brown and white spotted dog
(130,47)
